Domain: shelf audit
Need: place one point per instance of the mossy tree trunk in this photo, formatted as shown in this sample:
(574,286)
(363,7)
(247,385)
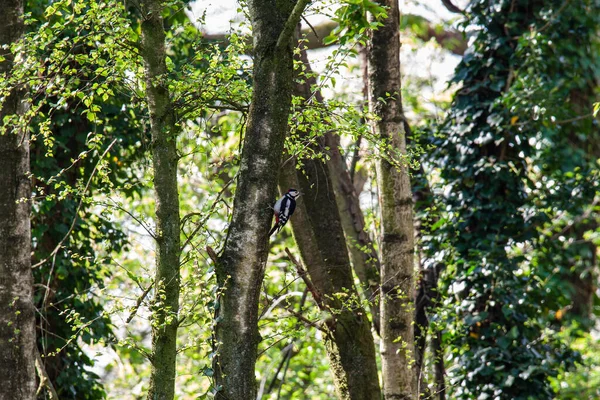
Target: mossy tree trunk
(397,229)
(240,267)
(17,318)
(165,306)
(318,232)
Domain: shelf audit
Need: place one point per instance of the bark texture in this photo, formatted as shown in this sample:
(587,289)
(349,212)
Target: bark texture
(318,232)
(164,161)
(397,230)
(240,268)
(17,318)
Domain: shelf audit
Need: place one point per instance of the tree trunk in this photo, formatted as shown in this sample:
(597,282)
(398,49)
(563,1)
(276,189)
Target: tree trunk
(17,318)
(397,241)
(164,160)
(362,252)
(365,260)
(240,268)
(320,238)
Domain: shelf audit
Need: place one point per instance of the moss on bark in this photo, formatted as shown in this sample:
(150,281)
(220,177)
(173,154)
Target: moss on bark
(240,268)
(397,229)
(164,160)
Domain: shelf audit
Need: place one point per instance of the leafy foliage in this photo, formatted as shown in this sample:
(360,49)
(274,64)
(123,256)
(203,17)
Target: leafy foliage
(502,159)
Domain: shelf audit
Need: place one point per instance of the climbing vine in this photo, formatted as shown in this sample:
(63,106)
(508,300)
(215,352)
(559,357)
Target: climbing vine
(512,162)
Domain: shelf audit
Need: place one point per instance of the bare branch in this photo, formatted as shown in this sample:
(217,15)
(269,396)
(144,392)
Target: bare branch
(139,303)
(43,375)
(451,7)
(304,275)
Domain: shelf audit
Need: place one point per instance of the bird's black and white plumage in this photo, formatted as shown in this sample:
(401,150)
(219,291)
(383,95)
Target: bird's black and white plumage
(284,208)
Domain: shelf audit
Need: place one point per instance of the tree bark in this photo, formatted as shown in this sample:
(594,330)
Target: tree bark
(240,268)
(395,199)
(318,232)
(165,306)
(17,317)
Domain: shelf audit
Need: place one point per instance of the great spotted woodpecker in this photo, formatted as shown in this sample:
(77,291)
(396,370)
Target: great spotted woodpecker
(284,208)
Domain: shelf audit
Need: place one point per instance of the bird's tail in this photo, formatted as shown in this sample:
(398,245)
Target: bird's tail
(273,229)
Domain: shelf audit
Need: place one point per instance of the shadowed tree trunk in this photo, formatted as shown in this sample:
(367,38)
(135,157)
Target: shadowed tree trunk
(397,230)
(240,268)
(318,232)
(17,320)
(164,160)
(365,260)
(362,252)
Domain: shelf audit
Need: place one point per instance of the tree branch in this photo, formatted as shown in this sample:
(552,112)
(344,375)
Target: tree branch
(76,217)
(290,24)
(303,274)
(451,7)
(43,375)
(451,40)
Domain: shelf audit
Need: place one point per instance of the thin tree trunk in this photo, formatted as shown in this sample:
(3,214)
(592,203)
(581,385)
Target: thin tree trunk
(318,232)
(397,230)
(240,268)
(17,318)
(164,160)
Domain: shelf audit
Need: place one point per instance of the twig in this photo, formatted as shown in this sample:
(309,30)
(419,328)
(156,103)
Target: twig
(44,378)
(138,303)
(286,352)
(87,185)
(311,27)
(285,369)
(302,272)
(208,215)
(136,219)
(304,319)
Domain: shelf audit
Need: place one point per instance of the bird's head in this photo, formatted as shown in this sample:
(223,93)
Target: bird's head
(294,193)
